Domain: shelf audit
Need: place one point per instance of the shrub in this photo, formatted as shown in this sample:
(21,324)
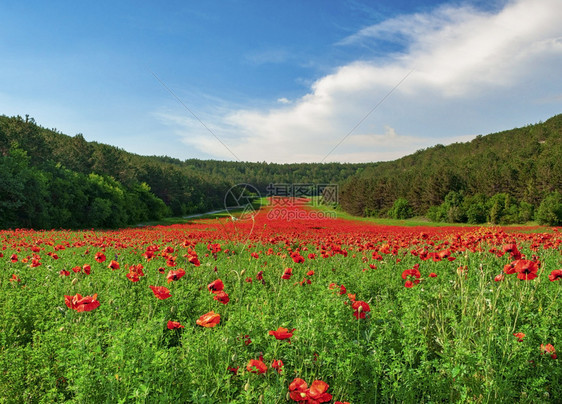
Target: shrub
(401,209)
(550,210)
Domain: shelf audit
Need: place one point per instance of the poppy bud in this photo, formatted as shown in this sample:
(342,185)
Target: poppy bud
(360,309)
(243,272)
(74,281)
(247,386)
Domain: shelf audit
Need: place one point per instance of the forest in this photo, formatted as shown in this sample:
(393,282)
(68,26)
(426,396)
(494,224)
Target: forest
(51,180)
(513,176)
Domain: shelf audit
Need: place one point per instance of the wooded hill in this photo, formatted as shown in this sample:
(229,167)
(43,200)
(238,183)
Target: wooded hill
(500,178)
(51,180)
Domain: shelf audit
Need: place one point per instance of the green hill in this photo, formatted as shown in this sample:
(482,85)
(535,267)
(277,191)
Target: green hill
(502,178)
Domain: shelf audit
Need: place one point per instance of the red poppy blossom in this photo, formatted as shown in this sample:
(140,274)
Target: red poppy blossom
(14,258)
(432,275)
(360,308)
(99,257)
(259,276)
(222,297)
(277,365)
(512,250)
(76,269)
(15,278)
(174,324)
(498,278)
(549,349)
(64,272)
(80,304)
(282,333)
(209,319)
(113,265)
(287,273)
(343,290)
(519,336)
(86,269)
(174,275)
(412,275)
(509,268)
(555,275)
(160,292)
(256,366)
(298,390)
(297,258)
(526,269)
(233,370)
(215,286)
(317,392)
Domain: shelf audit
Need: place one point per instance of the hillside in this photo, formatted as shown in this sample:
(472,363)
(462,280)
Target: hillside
(522,165)
(50,180)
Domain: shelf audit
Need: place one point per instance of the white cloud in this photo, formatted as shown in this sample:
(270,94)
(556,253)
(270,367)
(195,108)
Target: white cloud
(283,100)
(471,71)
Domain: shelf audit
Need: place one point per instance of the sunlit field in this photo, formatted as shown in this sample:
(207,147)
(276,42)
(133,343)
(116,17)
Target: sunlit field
(297,307)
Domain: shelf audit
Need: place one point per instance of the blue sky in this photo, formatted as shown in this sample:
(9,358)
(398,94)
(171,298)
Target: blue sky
(281,81)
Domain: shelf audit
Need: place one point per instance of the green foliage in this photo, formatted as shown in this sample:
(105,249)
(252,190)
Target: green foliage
(550,210)
(524,163)
(401,209)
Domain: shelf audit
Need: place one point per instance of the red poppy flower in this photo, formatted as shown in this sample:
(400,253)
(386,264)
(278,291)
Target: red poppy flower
(80,304)
(432,275)
(555,275)
(259,276)
(160,292)
(287,273)
(509,268)
(174,324)
(15,278)
(215,286)
(298,390)
(343,290)
(113,265)
(317,392)
(174,275)
(222,297)
(282,333)
(76,269)
(498,278)
(99,257)
(64,272)
(512,250)
(86,269)
(360,308)
(297,258)
(14,258)
(234,370)
(526,269)
(277,365)
(209,319)
(409,284)
(548,348)
(256,366)
(519,336)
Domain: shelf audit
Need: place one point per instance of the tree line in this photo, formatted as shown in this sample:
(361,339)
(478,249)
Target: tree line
(52,180)
(507,177)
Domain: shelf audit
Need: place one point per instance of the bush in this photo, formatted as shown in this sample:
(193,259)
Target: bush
(401,209)
(550,210)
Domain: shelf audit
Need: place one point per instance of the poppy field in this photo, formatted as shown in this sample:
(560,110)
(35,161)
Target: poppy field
(271,310)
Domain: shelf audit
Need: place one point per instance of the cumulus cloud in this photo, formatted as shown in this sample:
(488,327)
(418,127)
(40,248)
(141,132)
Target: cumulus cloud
(470,70)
